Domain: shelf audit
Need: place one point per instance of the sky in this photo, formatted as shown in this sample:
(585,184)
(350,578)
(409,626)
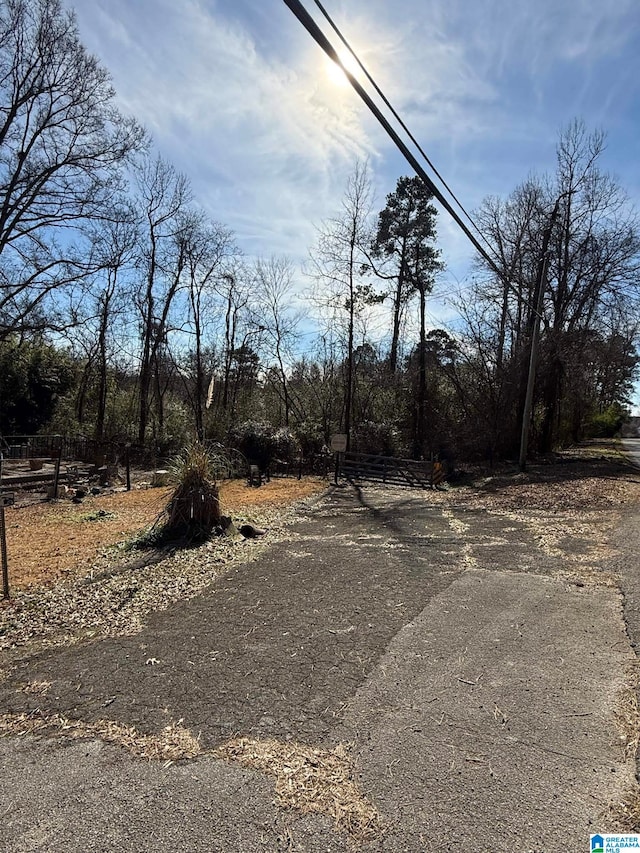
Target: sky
(238,96)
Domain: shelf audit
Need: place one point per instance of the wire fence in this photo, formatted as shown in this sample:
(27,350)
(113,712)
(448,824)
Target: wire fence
(229,463)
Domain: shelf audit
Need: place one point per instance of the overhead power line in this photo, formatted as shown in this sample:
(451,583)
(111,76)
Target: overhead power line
(397,117)
(316,33)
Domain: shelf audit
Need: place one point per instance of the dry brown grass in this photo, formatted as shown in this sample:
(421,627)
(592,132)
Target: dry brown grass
(311,780)
(627,714)
(308,779)
(49,541)
(626,812)
(173,743)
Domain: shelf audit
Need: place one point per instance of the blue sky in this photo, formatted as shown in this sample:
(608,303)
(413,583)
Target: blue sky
(238,96)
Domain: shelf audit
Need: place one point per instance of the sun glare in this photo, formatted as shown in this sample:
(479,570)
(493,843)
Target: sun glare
(336,74)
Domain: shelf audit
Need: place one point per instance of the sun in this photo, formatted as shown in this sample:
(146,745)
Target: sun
(335,72)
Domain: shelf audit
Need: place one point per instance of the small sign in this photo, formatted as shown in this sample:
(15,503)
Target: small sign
(438,473)
(339,442)
(8,499)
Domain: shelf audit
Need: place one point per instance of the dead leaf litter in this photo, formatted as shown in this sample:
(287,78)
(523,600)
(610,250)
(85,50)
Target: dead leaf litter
(120,588)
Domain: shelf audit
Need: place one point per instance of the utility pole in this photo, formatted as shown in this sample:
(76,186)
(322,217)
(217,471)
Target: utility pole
(541,281)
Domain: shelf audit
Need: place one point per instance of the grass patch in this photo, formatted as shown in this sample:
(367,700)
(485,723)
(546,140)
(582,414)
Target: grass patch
(307,779)
(171,744)
(626,813)
(311,780)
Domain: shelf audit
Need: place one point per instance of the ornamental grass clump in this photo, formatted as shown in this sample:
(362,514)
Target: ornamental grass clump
(193,511)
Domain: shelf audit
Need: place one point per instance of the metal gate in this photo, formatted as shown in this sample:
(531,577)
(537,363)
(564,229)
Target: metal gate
(391,469)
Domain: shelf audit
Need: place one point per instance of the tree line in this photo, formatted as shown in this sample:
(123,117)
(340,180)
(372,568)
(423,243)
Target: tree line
(128,314)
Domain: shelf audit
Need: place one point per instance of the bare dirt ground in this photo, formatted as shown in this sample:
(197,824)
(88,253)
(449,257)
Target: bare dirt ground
(50,541)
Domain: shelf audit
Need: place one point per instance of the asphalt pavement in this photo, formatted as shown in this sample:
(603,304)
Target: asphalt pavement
(475,683)
(632,448)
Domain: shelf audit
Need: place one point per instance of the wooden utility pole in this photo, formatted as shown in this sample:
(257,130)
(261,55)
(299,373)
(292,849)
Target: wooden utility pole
(541,281)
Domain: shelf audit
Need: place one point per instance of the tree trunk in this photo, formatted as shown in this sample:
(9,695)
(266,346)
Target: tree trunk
(397,311)
(349,389)
(103,365)
(421,403)
(200,389)
(146,361)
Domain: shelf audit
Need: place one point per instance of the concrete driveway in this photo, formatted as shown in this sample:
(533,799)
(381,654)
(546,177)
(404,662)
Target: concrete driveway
(474,678)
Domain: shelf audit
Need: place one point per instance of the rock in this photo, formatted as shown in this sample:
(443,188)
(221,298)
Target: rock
(62,491)
(226,526)
(251,532)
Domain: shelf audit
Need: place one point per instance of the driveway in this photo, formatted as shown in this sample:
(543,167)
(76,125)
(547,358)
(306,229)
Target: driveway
(466,665)
(632,448)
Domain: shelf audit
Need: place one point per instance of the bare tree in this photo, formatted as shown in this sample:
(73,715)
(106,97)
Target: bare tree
(116,244)
(315,385)
(210,248)
(234,292)
(336,263)
(62,145)
(593,272)
(163,196)
(274,291)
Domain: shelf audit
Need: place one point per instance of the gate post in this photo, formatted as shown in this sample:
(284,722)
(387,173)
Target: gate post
(3,554)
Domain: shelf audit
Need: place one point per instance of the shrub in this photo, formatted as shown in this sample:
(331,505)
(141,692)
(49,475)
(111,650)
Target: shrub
(262,444)
(193,510)
(310,438)
(383,438)
(606,424)
(285,444)
(257,441)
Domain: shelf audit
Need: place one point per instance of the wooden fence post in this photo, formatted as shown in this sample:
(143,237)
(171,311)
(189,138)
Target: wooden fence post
(3,553)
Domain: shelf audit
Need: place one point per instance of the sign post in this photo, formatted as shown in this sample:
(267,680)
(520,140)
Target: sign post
(338,446)
(127,459)
(5,500)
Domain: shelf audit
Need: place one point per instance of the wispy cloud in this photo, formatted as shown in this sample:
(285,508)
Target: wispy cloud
(253,133)
(237,95)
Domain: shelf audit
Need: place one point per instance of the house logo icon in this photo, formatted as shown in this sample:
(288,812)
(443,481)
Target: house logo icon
(597,844)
